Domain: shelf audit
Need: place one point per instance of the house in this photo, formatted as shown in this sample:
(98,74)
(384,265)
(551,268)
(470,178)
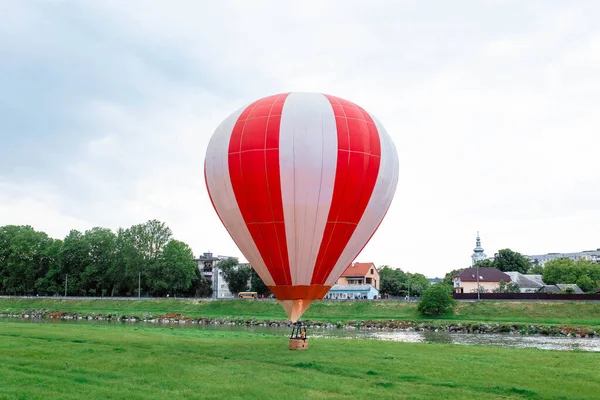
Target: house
(489,280)
(360,274)
(528,283)
(352,292)
(358,281)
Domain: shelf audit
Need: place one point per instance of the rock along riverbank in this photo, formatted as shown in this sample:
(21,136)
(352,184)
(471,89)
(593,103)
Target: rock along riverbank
(391,324)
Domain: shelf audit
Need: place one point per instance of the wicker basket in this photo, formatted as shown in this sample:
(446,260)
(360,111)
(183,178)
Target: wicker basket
(298,344)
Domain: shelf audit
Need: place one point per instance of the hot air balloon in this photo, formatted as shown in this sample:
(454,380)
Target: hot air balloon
(301,181)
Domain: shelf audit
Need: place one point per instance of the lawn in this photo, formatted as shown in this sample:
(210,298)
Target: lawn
(567,313)
(71,361)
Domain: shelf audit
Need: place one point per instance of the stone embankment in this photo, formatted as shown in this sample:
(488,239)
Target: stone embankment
(432,326)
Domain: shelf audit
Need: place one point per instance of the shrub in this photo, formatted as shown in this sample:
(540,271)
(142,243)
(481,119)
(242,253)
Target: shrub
(436,300)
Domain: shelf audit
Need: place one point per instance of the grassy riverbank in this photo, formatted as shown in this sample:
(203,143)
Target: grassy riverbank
(556,313)
(71,361)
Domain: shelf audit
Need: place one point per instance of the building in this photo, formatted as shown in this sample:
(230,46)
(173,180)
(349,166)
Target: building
(352,292)
(207,264)
(527,282)
(489,280)
(358,281)
(541,259)
(478,253)
(560,287)
(360,274)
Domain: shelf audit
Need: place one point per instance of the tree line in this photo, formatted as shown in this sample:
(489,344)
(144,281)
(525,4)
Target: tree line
(395,282)
(144,260)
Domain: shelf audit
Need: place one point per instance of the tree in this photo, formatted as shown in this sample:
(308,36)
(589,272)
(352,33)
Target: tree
(536,269)
(585,283)
(24,258)
(568,290)
(102,256)
(449,277)
(201,286)
(507,260)
(48,284)
(486,263)
(565,270)
(257,285)
(236,276)
(393,281)
(510,287)
(561,270)
(436,300)
(139,249)
(74,259)
(174,270)
(415,284)
(390,287)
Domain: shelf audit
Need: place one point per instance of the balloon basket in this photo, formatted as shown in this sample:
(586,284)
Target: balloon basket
(298,339)
(298,344)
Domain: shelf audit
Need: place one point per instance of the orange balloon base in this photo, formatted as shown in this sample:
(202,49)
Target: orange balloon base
(295,308)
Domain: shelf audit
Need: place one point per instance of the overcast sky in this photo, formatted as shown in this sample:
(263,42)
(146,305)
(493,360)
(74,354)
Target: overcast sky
(106,109)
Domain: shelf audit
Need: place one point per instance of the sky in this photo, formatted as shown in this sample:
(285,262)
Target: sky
(106,109)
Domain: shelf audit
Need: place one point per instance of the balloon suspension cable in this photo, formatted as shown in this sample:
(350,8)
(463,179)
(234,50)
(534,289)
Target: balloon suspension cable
(298,331)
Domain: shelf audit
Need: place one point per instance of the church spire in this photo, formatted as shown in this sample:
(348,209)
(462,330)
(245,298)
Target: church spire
(478,253)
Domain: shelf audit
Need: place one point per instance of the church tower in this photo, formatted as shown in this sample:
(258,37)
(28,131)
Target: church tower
(478,254)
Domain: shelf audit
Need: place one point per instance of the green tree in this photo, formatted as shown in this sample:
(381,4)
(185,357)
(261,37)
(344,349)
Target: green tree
(582,272)
(585,283)
(48,284)
(390,287)
(75,257)
(25,257)
(510,287)
(507,260)
(101,260)
(139,249)
(568,290)
(485,263)
(393,281)
(449,277)
(536,269)
(174,270)
(202,287)
(561,270)
(235,275)
(415,284)
(436,300)
(257,285)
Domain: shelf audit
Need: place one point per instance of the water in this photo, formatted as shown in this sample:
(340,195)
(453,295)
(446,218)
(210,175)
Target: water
(503,340)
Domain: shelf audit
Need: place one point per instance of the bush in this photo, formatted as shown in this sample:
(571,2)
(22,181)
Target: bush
(436,300)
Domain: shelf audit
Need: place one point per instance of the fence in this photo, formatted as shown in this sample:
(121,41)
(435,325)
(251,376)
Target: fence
(527,296)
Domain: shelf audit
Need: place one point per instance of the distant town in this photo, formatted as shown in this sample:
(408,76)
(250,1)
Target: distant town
(364,280)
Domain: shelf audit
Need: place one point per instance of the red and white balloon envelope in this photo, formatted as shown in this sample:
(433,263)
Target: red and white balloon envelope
(301,182)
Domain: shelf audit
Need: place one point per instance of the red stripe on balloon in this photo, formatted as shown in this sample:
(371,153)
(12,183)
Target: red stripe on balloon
(359,155)
(254,173)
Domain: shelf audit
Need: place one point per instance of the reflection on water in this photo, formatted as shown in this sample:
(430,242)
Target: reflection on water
(506,340)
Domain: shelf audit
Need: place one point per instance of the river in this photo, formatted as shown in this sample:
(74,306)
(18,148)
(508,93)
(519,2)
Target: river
(487,339)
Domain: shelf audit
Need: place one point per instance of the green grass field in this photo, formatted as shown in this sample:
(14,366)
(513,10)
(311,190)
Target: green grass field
(72,361)
(564,313)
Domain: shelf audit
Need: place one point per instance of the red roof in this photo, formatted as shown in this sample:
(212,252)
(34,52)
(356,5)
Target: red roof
(485,275)
(358,269)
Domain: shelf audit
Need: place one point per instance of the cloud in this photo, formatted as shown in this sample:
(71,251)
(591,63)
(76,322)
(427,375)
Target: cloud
(107,108)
